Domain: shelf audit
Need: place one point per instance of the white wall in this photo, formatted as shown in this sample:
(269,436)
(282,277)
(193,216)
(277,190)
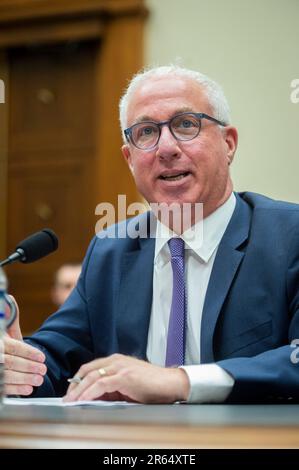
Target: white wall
(251,47)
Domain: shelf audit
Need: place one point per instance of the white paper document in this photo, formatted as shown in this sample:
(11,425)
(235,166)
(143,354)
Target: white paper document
(58,402)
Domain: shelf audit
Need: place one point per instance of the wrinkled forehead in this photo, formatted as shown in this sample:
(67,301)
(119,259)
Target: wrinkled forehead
(159,97)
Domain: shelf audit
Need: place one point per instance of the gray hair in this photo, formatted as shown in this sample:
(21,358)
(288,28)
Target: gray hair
(213,90)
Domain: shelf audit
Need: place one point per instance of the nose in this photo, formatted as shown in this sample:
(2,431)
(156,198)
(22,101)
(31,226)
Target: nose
(168,147)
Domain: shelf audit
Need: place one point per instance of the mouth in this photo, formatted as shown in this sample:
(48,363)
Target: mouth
(174,177)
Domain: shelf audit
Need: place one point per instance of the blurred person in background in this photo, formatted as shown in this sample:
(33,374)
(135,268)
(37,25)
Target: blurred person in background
(65,279)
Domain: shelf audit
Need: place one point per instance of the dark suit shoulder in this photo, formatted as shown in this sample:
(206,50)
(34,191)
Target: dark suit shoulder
(259,201)
(274,223)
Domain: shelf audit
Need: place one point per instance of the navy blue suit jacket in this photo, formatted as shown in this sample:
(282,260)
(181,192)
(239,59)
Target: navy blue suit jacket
(250,314)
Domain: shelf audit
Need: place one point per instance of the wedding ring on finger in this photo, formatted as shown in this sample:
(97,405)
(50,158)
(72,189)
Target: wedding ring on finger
(102,372)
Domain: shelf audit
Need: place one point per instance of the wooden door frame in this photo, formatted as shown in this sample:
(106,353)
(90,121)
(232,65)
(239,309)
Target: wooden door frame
(119,25)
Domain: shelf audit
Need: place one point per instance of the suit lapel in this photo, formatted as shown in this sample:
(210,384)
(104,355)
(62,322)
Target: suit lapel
(135,297)
(225,267)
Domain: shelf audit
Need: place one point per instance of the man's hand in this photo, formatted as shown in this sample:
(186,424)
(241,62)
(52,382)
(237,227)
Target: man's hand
(24,365)
(119,377)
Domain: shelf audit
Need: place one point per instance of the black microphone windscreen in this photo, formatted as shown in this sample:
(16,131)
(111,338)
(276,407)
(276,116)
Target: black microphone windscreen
(38,245)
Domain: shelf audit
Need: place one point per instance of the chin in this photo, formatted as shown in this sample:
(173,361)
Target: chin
(172,200)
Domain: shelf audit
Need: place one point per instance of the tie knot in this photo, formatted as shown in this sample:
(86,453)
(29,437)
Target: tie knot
(176,246)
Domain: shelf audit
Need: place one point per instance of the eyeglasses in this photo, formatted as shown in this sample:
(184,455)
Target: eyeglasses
(185,126)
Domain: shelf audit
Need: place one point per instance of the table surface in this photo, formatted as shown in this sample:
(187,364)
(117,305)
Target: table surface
(150,426)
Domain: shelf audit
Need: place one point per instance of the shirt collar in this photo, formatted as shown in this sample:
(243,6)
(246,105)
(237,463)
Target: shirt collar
(203,238)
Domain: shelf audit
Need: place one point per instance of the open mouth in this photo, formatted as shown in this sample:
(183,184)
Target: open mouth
(176,177)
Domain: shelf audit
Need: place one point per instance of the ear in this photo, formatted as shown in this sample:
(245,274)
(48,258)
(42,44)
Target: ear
(128,157)
(231,140)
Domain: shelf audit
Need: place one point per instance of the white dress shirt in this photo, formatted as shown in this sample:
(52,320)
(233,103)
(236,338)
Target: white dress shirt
(209,382)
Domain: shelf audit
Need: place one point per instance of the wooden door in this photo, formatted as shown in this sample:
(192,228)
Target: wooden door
(50,161)
(65,77)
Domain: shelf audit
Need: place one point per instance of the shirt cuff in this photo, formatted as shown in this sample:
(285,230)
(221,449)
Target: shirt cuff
(209,383)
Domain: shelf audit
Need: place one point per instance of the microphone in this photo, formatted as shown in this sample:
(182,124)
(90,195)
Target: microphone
(34,247)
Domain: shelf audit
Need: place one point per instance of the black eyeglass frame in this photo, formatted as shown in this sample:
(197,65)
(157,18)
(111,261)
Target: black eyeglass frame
(129,130)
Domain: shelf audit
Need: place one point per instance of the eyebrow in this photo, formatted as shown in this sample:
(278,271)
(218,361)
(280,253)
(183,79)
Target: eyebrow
(145,117)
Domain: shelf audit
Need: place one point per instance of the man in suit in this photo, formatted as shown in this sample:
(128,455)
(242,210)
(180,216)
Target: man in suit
(165,319)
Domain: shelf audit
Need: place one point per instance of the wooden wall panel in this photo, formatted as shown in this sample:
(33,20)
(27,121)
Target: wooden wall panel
(115,66)
(52,93)
(12,10)
(39,199)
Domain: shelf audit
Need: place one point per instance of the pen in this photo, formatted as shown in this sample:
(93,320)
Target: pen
(75,380)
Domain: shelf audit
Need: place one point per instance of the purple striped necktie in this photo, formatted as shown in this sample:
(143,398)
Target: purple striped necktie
(175,351)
